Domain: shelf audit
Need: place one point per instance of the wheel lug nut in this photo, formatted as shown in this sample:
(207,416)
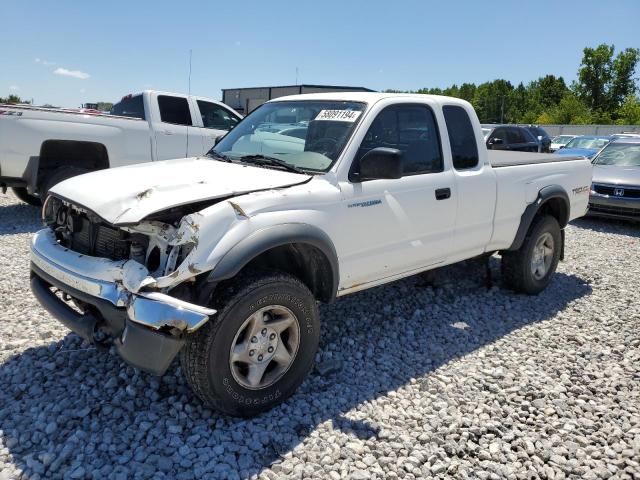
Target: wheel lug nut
(272,336)
(254,339)
(260,358)
(270,349)
(252,353)
(264,332)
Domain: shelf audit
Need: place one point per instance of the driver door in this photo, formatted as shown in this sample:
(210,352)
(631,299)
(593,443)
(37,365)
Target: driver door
(397,226)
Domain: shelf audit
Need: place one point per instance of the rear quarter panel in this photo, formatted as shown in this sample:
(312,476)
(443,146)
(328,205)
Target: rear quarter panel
(518,186)
(127,140)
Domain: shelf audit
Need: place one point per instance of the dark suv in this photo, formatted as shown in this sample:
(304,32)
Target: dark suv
(540,134)
(509,137)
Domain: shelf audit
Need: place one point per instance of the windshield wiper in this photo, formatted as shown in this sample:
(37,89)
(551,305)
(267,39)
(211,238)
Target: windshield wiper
(218,155)
(265,160)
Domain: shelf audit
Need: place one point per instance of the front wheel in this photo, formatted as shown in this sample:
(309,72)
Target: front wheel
(258,348)
(529,269)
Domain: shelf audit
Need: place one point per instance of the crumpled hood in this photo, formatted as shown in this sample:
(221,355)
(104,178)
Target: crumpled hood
(581,152)
(616,175)
(128,194)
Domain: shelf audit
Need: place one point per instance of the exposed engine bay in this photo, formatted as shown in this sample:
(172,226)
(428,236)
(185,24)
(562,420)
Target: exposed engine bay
(159,246)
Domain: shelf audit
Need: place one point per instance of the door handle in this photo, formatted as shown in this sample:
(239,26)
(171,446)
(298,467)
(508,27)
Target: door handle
(443,193)
(167,132)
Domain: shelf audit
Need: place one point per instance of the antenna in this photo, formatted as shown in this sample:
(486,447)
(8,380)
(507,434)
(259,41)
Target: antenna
(296,75)
(190,56)
(186,154)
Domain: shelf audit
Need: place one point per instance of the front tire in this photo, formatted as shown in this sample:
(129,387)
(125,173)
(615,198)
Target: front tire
(529,269)
(258,348)
(26,197)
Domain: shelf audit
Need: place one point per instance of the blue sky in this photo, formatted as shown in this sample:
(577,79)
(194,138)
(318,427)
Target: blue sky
(70,52)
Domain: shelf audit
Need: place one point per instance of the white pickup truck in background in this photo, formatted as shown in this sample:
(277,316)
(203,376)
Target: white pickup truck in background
(40,147)
(224,258)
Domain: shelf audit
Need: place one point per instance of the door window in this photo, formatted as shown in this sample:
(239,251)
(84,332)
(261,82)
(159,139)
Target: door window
(500,133)
(174,110)
(462,138)
(411,129)
(215,116)
(515,136)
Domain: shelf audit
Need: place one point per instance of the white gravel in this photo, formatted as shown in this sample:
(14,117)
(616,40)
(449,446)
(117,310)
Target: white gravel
(417,382)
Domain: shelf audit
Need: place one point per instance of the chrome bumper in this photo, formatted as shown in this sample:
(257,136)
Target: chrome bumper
(104,279)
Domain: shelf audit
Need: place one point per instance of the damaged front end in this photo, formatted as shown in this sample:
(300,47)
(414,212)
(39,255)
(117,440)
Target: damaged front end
(118,285)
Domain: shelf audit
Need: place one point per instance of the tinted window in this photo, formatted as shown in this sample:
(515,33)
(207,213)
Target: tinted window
(515,136)
(500,133)
(528,136)
(174,110)
(462,139)
(129,107)
(215,116)
(410,129)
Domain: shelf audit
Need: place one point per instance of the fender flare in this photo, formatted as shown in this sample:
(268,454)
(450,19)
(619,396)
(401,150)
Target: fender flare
(267,238)
(545,194)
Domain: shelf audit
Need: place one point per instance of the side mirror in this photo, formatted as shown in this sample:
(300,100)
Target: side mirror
(217,139)
(495,141)
(561,146)
(380,163)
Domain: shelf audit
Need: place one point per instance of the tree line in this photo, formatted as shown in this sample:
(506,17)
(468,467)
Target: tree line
(605,92)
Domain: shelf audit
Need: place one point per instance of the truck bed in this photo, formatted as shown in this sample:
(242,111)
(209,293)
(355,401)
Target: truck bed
(501,158)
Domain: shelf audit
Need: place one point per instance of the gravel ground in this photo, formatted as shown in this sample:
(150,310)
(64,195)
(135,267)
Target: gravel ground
(418,379)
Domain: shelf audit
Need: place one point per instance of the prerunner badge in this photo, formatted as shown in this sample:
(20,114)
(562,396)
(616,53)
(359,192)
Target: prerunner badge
(338,115)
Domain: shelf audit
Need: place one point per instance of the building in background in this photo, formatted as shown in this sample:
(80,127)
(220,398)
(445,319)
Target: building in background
(244,100)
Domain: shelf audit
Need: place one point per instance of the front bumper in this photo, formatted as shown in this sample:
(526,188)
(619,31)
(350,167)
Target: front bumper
(146,328)
(614,207)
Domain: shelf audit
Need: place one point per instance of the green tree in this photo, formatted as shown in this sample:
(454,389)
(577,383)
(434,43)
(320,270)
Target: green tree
(491,101)
(570,110)
(13,99)
(604,81)
(629,112)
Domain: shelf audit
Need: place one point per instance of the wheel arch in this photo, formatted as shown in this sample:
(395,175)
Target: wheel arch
(552,200)
(300,249)
(75,153)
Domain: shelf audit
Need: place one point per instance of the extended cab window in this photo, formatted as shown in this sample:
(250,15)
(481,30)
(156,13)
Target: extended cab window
(410,129)
(462,138)
(129,107)
(174,110)
(215,116)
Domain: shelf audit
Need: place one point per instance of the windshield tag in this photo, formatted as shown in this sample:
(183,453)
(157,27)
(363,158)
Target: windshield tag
(338,115)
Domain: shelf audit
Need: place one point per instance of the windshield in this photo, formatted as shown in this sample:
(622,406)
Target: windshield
(538,132)
(586,142)
(308,135)
(562,139)
(620,154)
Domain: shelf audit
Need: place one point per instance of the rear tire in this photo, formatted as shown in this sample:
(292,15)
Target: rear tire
(529,269)
(259,346)
(58,175)
(26,197)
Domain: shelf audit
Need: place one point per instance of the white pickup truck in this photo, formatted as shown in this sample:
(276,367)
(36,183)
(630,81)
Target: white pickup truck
(224,258)
(40,147)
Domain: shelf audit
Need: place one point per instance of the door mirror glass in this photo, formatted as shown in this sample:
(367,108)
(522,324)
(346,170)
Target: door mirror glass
(380,163)
(496,141)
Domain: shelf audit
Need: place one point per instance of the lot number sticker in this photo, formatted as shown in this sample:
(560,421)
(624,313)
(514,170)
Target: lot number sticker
(338,115)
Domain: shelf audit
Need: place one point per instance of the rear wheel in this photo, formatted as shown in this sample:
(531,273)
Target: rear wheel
(25,196)
(258,348)
(58,175)
(529,269)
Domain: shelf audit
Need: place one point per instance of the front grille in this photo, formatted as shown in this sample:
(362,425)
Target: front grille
(86,233)
(627,192)
(624,211)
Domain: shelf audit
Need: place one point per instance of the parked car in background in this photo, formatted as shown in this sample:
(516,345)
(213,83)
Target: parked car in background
(510,137)
(40,147)
(542,136)
(584,145)
(615,191)
(560,141)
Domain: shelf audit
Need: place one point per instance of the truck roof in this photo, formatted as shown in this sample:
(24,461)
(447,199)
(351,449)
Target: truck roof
(368,97)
